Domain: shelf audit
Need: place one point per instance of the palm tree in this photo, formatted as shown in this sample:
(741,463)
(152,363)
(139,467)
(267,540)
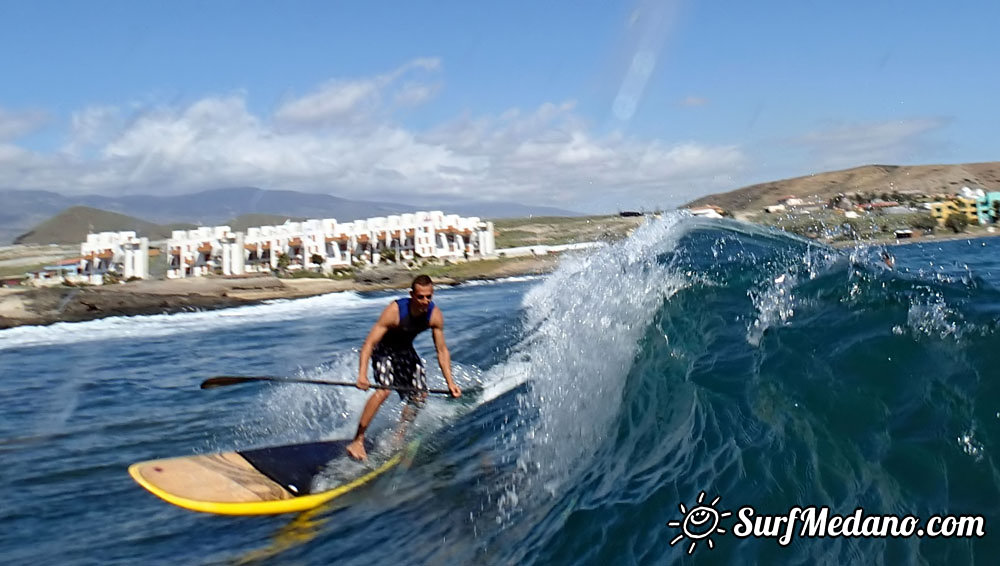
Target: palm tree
(283,262)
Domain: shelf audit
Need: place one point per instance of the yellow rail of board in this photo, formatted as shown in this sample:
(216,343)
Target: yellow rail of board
(293,505)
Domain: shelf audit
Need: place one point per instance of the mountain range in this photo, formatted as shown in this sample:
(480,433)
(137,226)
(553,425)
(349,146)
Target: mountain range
(22,211)
(48,217)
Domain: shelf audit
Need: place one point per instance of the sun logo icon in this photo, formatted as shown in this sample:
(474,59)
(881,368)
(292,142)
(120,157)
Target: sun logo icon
(699,522)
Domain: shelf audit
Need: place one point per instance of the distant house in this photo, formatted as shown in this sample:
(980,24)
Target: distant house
(538,250)
(902,234)
(956,205)
(841,202)
(66,270)
(970,193)
(708,211)
(988,208)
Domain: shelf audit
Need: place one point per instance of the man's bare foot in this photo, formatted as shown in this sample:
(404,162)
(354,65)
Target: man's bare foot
(356,450)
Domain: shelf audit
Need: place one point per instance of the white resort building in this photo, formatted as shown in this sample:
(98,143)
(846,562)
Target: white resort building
(200,251)
(327,244)
(121,253)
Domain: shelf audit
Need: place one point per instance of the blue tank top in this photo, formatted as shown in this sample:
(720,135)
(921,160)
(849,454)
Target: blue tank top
(409,326)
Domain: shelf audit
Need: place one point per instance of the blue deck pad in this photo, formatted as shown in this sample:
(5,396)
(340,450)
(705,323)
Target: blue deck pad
(294,467)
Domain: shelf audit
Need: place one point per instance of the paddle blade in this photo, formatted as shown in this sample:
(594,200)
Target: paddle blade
(224,380)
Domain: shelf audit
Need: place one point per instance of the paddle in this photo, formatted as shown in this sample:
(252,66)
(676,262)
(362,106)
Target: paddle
(224,380)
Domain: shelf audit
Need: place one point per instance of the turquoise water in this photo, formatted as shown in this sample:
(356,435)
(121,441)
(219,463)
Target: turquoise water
(695,356)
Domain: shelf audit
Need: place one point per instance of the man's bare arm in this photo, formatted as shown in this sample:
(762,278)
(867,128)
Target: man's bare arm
(443,355)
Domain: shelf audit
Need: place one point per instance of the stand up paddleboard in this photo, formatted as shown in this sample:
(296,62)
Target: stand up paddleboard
(269,481)
(265,481)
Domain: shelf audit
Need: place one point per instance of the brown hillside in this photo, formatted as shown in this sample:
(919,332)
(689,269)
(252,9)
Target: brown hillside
(72,225)
(926,179)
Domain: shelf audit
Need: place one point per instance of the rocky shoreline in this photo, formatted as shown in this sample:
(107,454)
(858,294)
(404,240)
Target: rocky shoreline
(48,305)
(21,306)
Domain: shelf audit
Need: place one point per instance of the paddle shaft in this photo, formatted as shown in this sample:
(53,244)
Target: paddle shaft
(224,380)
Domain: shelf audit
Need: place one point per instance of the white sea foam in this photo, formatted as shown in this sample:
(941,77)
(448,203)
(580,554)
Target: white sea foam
(584,324)
(138,327)
(775,298)
(968,443)
(298,412)
(515,279)
(931,316)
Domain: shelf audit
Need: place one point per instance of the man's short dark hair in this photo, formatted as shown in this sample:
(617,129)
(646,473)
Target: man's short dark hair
(421,280)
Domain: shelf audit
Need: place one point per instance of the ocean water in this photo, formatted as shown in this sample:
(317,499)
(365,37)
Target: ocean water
(696,357)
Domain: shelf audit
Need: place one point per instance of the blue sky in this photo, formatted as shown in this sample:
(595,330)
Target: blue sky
(592,106)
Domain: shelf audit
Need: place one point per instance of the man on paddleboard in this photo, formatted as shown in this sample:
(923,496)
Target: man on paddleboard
(396,364)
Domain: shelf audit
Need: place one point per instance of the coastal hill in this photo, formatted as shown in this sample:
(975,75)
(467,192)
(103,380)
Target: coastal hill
(926,179)
(72,225)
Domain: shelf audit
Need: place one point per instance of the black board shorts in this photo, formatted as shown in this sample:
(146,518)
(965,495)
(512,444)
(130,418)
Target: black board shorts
(400,368)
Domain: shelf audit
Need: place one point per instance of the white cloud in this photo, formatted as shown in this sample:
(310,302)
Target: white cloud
(91,127)
(14,125)
(343,138)
(10,155)
(856,144)
(351,100)
(415,94)
(551,152)
(333,101)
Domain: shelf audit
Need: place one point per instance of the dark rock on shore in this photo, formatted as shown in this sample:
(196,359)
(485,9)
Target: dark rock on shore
(61,304)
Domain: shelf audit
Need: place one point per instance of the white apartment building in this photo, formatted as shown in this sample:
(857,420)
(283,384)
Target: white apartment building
(201,251)
(327,244)
(119,252)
